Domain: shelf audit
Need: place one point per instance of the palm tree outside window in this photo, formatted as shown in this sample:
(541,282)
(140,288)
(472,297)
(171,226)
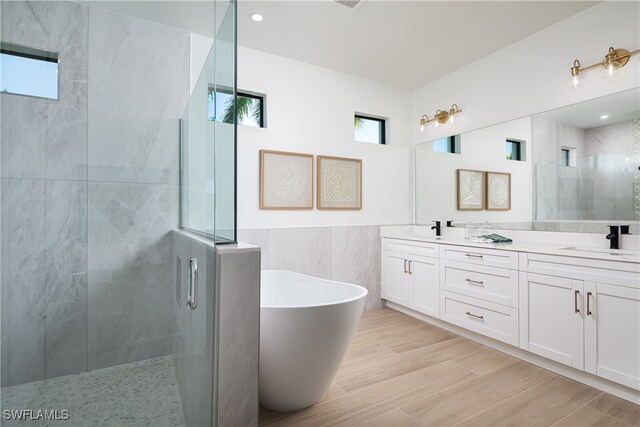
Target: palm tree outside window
(248,111)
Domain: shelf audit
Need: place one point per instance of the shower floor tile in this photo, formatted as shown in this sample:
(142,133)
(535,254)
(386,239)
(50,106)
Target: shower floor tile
(136,394)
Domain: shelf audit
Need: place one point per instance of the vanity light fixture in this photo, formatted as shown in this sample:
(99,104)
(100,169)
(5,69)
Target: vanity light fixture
(441,117)
(610,67)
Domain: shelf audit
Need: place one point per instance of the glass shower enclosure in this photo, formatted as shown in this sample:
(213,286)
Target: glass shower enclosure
(95,181)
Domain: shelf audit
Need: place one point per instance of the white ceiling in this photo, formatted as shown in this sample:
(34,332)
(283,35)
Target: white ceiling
(620,107)
(402,43)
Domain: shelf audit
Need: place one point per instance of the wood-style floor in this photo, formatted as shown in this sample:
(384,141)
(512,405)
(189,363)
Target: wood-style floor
(400,371)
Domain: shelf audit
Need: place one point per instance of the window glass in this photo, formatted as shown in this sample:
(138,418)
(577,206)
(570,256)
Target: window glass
(448,144)
(514,150)
(369,129)
(26,71)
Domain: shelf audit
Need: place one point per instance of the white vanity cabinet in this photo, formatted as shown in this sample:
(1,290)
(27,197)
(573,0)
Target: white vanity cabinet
(579,312)
(410,275)
(586,315)
(612,332)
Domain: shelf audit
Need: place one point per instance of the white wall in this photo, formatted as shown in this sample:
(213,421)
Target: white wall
(483,149)
(531,76)
(310,110)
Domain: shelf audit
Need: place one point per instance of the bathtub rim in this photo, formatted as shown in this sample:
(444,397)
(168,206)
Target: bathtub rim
(364,292)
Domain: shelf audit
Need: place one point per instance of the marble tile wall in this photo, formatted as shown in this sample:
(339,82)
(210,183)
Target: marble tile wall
(139,85)
(238,284)
(349,254)
(89,191)
(44,201)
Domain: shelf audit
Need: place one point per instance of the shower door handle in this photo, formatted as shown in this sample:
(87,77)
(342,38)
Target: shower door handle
(192,297)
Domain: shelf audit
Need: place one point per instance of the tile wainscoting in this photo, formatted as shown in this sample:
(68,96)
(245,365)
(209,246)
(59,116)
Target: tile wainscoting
(346,254)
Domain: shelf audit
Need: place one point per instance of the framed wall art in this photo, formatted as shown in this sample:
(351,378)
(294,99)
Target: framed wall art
(470,188)
(498,191)
(339,183)
(286,180)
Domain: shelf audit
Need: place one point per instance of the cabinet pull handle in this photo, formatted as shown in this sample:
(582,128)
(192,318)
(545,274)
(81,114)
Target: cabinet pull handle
(468,313)
(575,301)
(589,313)
(410,272)
(474,282)
(405,266)
(474,256)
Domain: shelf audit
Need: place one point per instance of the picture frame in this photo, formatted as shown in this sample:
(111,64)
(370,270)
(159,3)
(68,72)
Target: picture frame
(498,191)
(286,180)
(339,183)
(470,190)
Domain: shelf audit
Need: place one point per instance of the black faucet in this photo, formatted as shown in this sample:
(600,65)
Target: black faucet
(436,227)
(613,237)
(624,229)
(450,224)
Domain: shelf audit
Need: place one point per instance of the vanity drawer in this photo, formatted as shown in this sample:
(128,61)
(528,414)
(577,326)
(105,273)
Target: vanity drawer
(480,256)
(499,285)
(590,270)
(412,247)
(493,320)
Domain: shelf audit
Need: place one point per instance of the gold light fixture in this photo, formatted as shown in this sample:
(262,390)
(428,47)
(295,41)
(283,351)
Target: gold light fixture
(610,66)
(441,117)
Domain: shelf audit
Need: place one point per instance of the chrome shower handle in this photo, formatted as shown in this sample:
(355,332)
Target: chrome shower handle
(192,297)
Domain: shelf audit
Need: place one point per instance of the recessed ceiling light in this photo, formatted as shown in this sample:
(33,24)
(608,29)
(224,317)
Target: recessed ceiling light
(605,116)
(256,17)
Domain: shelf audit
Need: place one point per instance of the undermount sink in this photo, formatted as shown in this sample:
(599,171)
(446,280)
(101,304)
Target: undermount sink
(602,251)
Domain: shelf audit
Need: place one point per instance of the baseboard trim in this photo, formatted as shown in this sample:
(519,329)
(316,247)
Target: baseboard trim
(610,387)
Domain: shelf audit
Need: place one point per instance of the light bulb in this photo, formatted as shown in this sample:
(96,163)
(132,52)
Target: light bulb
(421,128)
(437,123)
(612,71)
(452,119)
(576,82)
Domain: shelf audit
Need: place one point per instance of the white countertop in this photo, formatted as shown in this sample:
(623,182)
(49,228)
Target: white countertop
(580,250)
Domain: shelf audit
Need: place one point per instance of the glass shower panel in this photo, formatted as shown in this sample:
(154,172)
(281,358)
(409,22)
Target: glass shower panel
(208,165)
(225,133)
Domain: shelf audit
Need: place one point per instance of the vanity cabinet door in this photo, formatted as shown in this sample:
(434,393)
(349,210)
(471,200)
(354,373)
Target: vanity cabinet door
(612,333)
(426,287)
(396,281)
(552,318)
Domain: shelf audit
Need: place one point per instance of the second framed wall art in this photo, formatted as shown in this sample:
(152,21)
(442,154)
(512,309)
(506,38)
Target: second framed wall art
(339,183)
(498,191)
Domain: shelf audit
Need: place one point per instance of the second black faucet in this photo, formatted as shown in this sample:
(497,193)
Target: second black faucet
(436,227)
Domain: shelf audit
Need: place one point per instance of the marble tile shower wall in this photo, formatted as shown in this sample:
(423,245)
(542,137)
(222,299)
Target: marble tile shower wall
(89,192)
(347,254)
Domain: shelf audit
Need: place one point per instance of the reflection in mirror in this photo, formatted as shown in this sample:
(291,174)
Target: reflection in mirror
(585,161)
(502,148)
(575,168)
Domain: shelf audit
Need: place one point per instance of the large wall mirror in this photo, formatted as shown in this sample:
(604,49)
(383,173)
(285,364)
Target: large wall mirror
(569,169)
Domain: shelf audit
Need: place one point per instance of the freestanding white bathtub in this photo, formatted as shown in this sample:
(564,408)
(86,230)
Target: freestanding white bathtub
(306,324)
